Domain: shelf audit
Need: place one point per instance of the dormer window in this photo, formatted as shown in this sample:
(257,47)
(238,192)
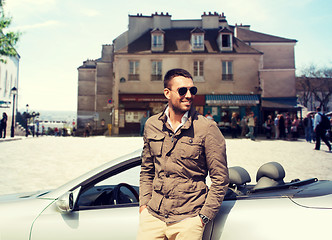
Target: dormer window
(225,40)
(157,40)
(197,39)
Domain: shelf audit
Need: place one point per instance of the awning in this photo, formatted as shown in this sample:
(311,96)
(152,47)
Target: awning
(232,100)
(280,103)
(4,104)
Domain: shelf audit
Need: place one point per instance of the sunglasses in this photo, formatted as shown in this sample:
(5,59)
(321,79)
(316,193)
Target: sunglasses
(182,91)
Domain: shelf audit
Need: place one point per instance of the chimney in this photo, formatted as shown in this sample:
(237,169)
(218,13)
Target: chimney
(210,21)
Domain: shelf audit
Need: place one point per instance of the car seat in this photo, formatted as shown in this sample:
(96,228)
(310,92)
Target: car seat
(238,178)
(269,175)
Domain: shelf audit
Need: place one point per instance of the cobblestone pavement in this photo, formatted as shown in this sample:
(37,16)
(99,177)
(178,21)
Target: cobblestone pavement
(29,164)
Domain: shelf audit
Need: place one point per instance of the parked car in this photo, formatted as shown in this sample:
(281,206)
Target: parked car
(103,204)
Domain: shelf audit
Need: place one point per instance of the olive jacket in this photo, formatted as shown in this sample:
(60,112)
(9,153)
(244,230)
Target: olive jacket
(175,166)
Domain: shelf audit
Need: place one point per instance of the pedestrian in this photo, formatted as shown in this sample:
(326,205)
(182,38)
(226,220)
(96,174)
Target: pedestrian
(276,126)
(282,128)
(87,130)
(142,123)
(319,130)
(209,115)
(251,126)
(288,125)
(234,125)
(3,125)
(181,147)
(295,128)
(307,122)
(244,126)
(268,127)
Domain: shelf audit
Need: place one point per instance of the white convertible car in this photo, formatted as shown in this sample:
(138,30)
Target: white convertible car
(103,204)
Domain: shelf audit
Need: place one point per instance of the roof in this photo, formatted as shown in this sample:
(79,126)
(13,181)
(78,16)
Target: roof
(177,40)
(252,36)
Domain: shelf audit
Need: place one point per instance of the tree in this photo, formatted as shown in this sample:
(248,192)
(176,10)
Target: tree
(316,82)
(8,39)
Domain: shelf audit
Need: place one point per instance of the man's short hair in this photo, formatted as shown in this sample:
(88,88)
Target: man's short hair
(175,73)
(318,109)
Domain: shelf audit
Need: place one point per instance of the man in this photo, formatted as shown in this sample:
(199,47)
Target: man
(276,126)
(319,130)
(180,148)
(209,115)
(142,123)
(251,126)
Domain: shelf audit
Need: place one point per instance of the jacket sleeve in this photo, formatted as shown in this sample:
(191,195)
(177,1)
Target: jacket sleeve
(147,173)
(215,151)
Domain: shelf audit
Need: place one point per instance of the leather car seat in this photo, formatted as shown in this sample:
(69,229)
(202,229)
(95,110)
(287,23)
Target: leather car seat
(269,175)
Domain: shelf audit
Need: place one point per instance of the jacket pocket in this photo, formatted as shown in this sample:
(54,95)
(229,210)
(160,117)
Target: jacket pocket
(189,198)
(191,148)
(156,144)
(156,197)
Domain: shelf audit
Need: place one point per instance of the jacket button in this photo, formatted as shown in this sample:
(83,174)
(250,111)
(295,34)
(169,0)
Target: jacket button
(167,174)
(166,216)
(191,141)
(166,196)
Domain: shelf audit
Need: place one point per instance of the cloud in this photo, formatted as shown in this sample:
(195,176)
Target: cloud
(16,3)
(90,12)
(36,26)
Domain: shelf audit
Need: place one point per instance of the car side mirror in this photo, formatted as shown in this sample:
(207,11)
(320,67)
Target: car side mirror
(65,203)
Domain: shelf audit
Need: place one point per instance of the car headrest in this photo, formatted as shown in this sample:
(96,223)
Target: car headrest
(272,170)
(238,176)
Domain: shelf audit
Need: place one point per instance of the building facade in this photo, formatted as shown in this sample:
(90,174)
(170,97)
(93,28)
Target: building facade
(9,78)
(234,68)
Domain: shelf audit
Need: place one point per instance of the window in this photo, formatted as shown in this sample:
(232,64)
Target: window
(157,41)
(227,71)
(226,40)
(156,73)
(198,42)
(198,68)
(133,70)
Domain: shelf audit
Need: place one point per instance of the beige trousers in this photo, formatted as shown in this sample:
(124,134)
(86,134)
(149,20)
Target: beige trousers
(151,228)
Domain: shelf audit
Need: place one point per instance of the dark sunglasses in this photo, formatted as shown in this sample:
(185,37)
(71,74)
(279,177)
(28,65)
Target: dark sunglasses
(183,91)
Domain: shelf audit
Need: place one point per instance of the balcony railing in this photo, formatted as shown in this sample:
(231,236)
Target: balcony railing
(227,77)
(133,77)
(156,77)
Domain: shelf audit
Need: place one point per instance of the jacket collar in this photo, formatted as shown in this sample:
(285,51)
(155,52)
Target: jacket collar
(191,115)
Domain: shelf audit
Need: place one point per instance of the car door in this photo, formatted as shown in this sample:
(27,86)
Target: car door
(99,222)
(110,223)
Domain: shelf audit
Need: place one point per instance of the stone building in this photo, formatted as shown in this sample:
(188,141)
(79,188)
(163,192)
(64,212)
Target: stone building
(9,78)
(235,69)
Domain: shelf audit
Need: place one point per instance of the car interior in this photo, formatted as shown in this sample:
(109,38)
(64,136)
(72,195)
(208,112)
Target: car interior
(113,190)
(269,182)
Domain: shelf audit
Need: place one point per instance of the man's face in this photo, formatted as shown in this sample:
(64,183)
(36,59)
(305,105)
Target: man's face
(180,104)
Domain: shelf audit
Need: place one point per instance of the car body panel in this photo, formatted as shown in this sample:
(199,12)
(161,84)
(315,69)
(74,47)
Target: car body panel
(17,216)
(272,219)
(100,224)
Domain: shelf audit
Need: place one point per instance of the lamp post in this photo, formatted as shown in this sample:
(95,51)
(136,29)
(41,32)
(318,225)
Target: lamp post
(12,130)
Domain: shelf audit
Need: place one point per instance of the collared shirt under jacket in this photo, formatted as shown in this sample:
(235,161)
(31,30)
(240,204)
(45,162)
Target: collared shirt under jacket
(175,165)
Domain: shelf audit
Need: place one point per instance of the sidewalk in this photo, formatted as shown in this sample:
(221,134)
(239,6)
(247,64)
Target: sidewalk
(46,162)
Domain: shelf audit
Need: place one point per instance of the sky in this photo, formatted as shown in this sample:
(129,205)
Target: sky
(58,35)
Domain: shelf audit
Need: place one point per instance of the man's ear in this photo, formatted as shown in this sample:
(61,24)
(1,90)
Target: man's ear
(167,93)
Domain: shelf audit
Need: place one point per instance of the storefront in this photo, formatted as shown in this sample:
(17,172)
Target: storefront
(272,106)
(132,108)
(223,106)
